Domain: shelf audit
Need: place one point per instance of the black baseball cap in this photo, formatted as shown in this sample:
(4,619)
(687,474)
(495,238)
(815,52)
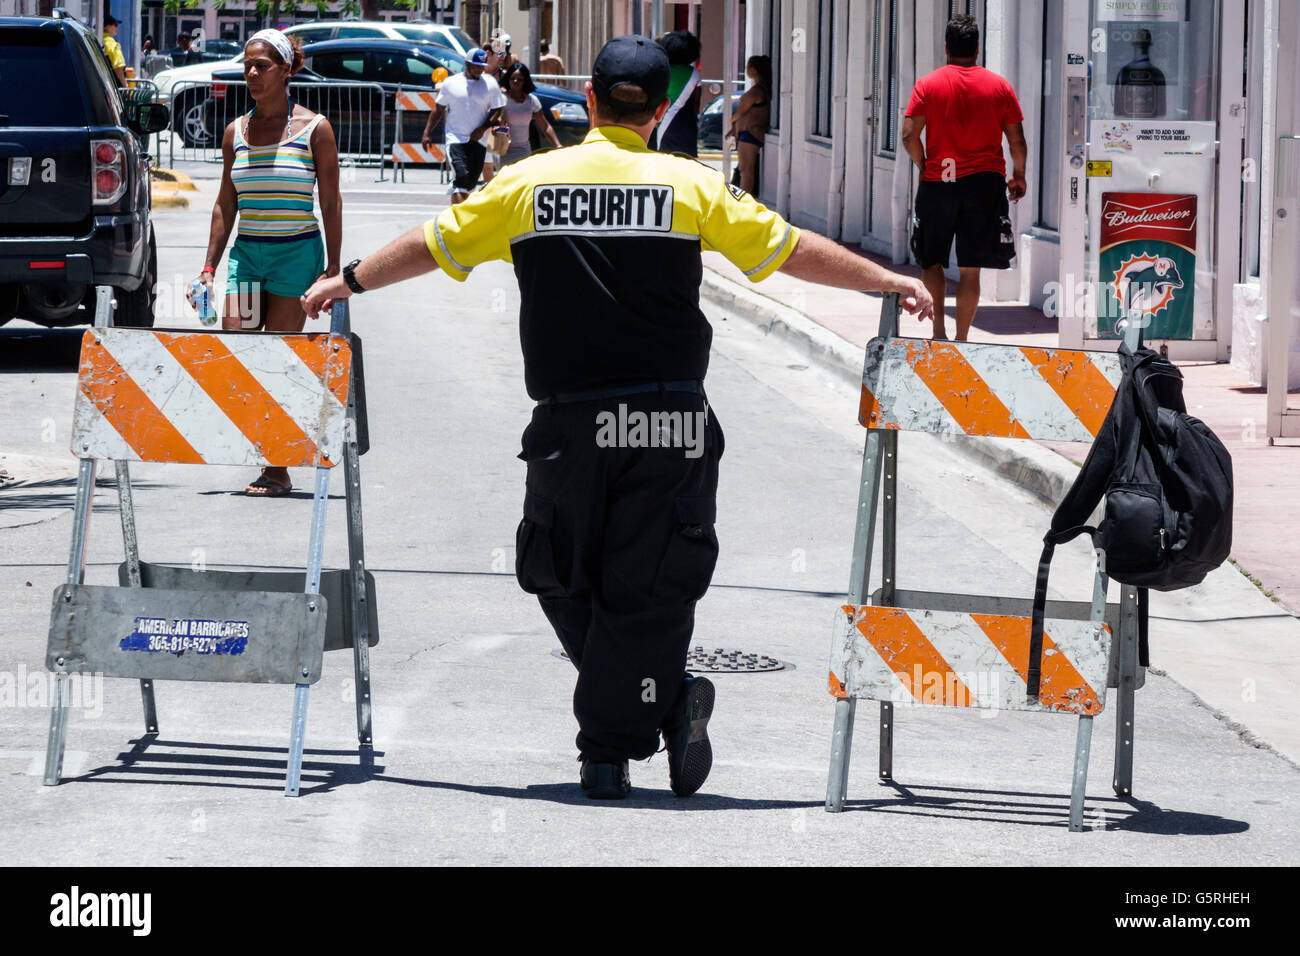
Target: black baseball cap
(111,21)
(632,61)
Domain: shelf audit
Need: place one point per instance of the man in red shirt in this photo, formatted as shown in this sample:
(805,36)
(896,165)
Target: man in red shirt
(964,110)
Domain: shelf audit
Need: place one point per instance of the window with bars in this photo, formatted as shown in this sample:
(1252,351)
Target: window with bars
(886,54)
(824,64)
(775,48)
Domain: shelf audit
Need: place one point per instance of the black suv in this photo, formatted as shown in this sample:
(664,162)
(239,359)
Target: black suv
(74,179)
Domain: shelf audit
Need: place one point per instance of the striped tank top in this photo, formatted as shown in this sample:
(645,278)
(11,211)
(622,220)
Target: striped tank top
(275,186)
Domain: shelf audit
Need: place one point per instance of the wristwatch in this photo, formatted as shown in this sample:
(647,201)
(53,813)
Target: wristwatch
(350,278)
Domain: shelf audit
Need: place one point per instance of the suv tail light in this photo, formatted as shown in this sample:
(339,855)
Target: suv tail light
(107,171)
(217,91)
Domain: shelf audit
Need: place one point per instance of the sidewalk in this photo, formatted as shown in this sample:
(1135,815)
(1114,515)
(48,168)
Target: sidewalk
(834,324)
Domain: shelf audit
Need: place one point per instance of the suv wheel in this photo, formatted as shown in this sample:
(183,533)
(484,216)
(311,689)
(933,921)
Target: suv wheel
(192,122)
(135,309)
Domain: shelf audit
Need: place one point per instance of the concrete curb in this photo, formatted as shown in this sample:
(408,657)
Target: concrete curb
(169,199)
(178,180)
(1038,470)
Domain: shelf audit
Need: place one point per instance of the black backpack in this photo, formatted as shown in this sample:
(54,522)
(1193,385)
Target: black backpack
(1167,482)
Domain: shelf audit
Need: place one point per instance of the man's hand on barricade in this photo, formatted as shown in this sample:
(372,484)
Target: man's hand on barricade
(323,294)
(915,298)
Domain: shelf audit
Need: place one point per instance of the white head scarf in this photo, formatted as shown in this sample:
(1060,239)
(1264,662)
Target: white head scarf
(277,40)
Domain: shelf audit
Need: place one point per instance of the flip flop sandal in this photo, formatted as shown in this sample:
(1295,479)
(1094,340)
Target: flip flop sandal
(264,487)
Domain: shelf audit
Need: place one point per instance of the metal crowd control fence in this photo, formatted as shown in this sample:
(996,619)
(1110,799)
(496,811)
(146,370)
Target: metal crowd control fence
(229,398)
(971,650)
(155,63)
(415,101)
(202,109)
(139,93)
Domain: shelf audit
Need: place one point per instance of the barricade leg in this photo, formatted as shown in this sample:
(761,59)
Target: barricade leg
(315,553)
(837,783)
(859,585)
(81,512)
(886,740)
(297,739)
(131,545)
(357,576)
(1125,704)
(1082,747)
(1083,741)
(888,582)
(58,731)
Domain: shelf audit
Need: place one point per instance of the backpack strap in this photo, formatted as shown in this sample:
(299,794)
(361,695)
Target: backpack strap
(1033,673)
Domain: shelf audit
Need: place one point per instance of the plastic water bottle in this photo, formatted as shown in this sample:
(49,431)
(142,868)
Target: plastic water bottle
(201,296)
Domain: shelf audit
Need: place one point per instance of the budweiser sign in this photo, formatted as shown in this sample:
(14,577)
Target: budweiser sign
(1147,262)
(1122,213)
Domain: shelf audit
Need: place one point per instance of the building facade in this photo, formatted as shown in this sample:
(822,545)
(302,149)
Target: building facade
(1128,104)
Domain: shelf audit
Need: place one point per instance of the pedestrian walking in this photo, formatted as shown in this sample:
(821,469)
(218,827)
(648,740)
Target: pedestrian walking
(749,122)
(498,57)
(473,104)
(113,49)
(549,63)
(505,57)
(523,109)
(617,539)
(274,158)
(965,110)
(184,54)
(680,130)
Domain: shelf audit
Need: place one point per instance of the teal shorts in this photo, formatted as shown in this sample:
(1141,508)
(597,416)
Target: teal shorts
(280,268)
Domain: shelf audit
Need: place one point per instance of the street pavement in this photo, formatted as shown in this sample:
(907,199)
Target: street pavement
(474,759)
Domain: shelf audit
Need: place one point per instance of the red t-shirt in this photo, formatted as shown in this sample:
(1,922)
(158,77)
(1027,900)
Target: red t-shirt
(965,108)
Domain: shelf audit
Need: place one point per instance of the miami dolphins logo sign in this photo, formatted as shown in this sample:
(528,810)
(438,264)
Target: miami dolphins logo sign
(1147,262)
(1146,283)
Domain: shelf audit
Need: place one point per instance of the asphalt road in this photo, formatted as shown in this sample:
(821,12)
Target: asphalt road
(474,758)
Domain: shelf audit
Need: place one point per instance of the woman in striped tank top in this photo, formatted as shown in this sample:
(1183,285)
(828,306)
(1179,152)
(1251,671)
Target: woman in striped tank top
(275,158)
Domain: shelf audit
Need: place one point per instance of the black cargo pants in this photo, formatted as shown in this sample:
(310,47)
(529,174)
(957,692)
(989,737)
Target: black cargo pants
(617,542)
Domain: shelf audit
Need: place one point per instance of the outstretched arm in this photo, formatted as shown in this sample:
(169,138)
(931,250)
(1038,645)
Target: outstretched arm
(817,259)
(405,257)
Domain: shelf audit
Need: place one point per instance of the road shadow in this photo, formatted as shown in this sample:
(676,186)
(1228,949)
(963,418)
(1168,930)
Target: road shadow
(645,798)
(155,761)
(47,350)
(237,766)
(151,760)
(297,494)
(62,493)
(1044,810)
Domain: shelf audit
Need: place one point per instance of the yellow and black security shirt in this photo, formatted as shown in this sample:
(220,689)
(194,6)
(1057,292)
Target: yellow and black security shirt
(605,238)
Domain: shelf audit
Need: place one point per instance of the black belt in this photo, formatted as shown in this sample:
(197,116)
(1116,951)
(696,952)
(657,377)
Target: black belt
(616,391)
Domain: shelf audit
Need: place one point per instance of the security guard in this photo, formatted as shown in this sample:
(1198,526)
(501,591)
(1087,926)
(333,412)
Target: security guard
(617,538)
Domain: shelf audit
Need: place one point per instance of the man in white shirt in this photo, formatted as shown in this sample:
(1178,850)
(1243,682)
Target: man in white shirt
(473,104)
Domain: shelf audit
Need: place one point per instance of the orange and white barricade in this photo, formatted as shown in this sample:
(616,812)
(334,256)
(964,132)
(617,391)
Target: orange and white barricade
(917,648)
(416,101)
(215,398)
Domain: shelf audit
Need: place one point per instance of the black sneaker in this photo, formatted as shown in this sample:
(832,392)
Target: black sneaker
(605,781)
(686,737)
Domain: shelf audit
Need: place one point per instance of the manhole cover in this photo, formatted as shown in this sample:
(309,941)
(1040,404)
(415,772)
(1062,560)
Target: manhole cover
(723,660)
